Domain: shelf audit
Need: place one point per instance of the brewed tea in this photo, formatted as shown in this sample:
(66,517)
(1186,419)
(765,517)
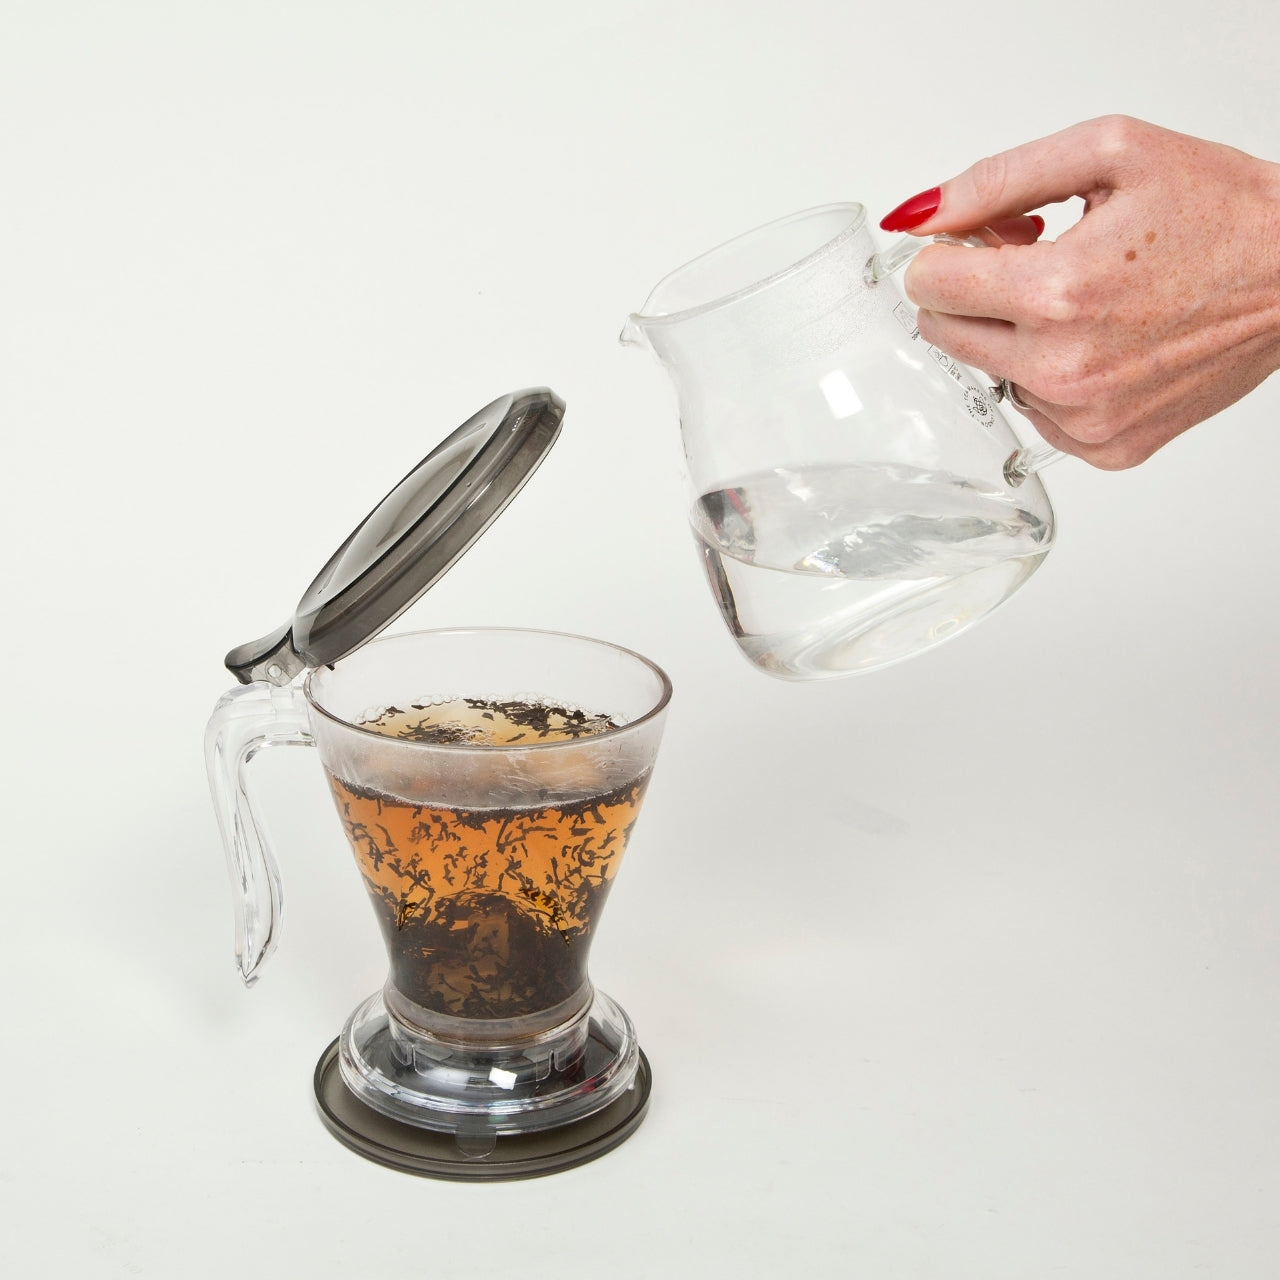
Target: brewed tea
(488,912)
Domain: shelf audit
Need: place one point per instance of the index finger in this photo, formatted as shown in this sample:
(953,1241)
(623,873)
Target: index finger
(1077,161)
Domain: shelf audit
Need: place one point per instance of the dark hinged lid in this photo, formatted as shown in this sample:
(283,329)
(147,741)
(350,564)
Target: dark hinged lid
(411,538)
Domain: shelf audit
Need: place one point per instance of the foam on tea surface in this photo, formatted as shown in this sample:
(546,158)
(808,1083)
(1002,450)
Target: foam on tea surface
(486,722)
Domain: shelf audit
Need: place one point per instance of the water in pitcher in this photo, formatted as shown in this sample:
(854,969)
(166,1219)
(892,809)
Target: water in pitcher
(828,570)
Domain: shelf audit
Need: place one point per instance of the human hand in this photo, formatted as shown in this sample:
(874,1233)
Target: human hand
(1157,309)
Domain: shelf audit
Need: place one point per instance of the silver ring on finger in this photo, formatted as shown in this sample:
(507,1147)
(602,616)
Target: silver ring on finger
(1005,390)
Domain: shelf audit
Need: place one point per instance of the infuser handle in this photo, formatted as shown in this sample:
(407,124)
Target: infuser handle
(1023,462)
(246,720)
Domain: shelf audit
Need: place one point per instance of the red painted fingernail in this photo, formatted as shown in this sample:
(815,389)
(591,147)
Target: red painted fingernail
(911,213)
(1039,221)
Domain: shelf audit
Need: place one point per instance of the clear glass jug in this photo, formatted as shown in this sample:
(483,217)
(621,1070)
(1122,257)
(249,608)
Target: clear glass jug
(857,495)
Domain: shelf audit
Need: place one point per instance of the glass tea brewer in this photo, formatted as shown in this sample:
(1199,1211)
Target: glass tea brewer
(487,781)
(857,495)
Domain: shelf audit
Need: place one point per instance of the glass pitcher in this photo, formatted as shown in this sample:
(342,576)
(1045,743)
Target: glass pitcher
(857,495)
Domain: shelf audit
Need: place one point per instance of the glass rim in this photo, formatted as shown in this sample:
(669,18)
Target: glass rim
(660,703)
(857,220)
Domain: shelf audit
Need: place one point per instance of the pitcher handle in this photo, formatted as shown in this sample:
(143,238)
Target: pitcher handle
(1023,462)
(245,720)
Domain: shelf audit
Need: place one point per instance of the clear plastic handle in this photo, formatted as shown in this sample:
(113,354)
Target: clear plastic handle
(244,721)
(1023,462)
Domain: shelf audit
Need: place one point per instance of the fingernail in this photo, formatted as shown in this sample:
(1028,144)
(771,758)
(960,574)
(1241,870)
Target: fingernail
(1039,221)
(912,213)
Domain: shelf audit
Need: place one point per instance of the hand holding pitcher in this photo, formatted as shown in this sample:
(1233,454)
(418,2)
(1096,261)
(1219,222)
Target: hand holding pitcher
(1156,310)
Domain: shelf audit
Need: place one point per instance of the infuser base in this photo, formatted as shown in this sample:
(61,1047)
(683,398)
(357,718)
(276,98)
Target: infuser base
(477,1089)
(467,1158)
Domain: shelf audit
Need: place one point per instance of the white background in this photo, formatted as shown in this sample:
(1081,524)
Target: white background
(967,969)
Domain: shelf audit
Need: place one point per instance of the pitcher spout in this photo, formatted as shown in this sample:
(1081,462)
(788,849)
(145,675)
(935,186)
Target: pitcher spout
(633,334)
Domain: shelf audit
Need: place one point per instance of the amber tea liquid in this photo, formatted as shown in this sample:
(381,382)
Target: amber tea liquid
(488,912)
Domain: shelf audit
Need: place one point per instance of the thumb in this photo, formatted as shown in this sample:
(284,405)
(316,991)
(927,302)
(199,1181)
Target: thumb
(1075,162)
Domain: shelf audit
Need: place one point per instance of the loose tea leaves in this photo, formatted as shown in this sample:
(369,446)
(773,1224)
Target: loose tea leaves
(486,722)
(488,913)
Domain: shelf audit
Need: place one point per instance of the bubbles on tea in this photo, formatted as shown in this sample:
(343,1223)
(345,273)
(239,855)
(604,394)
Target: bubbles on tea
(485,722)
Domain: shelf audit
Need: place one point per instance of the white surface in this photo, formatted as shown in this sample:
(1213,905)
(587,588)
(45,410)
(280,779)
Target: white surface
(965,969)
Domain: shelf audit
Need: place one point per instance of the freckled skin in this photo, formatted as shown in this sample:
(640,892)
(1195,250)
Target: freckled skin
(1117,349)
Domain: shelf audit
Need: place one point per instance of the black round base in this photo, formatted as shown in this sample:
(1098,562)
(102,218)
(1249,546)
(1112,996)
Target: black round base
(444,1155)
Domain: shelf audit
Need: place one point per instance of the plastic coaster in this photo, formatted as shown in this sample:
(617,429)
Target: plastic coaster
(439,1155)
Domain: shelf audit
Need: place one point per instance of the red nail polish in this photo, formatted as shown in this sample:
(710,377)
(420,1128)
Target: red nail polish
(911,213)
(1039,221)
